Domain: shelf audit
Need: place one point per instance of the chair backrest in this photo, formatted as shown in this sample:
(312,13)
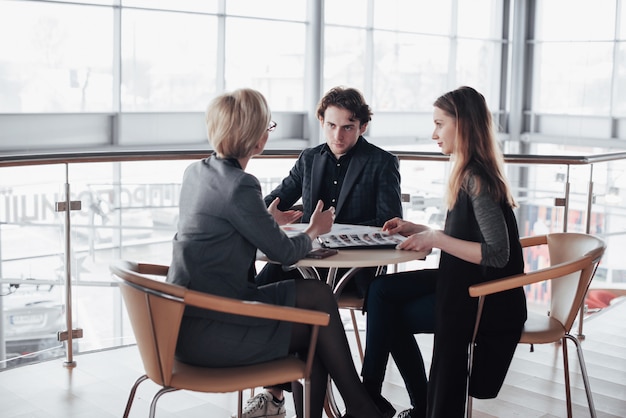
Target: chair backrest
(155,310)
(568,292)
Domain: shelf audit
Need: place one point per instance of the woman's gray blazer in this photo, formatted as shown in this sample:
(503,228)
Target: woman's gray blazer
(223,221)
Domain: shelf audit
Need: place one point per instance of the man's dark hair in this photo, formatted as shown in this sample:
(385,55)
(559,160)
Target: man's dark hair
(346,98)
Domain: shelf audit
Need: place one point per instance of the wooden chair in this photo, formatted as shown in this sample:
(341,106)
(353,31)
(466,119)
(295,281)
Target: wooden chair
(574,258)
(155,309)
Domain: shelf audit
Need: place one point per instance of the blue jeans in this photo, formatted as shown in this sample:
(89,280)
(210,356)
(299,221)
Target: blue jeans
(399,306)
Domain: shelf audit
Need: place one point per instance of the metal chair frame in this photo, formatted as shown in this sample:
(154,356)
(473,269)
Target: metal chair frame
(155,309)
(574,258)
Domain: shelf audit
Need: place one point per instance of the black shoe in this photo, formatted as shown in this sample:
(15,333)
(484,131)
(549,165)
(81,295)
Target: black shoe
(409,413)
(384,406)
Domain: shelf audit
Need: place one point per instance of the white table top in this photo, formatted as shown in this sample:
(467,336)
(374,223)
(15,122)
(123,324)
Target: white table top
(353,259)
(348,258)
(370,257)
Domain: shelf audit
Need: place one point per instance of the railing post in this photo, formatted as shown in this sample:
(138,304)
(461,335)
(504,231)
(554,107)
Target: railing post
(69,334)
(589,200)
(566,203)
(3,351)
(581,314)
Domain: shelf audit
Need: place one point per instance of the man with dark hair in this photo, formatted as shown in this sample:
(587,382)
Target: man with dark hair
(360,180)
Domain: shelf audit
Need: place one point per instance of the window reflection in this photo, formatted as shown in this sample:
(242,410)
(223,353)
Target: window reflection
(573,78)
(101,2)
(346,12)
(565,20)
(410,71)
(110,56)
(270,60)
(344,58)
(272,9)
(206,6)
(622,26)
(55,58)
(414,51)
(474,67)
(619,103)
(480,19)
(413,16)
(169,61)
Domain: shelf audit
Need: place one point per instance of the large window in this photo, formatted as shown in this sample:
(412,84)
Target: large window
(577,88)
(148,56)
(55,58)
(259,55)
(574,62)
(139,72)
(407,53)
(619,101)
(169,61)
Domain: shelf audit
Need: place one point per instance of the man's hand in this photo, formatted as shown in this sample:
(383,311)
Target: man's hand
(283,218)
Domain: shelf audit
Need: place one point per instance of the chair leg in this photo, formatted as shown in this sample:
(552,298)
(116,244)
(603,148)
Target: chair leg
(331,407)
(583,371)
(156,398)
(568,394)
(306,397)
(239,402)
(469,399)
(357,335)
(131,396)
(470,357)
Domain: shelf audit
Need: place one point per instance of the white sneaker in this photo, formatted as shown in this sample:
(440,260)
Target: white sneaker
(263,406)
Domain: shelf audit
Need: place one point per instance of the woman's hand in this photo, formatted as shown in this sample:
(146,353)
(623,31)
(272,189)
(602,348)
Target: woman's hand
(321,221)
(422,241)
(402,227)
(283,217)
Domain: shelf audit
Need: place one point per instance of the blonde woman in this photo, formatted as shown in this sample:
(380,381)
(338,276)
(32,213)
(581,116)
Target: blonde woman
(479,242)
(223,221)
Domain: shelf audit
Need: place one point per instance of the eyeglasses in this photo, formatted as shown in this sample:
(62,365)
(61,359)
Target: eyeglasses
(272,126)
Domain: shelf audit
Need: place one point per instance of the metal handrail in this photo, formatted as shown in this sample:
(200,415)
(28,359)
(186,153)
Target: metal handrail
(11,160)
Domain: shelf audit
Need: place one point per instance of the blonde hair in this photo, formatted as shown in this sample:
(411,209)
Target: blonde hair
(236,121)
(476,148)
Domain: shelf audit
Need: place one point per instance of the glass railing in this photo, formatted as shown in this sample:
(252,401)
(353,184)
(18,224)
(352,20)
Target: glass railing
(54,272)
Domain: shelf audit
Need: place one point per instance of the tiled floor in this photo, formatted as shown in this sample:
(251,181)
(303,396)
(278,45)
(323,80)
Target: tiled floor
(98,386)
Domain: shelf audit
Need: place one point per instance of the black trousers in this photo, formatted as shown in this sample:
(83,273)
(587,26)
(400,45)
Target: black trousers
(359,285)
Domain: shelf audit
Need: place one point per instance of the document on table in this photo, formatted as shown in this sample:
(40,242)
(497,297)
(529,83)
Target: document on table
(344,236)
